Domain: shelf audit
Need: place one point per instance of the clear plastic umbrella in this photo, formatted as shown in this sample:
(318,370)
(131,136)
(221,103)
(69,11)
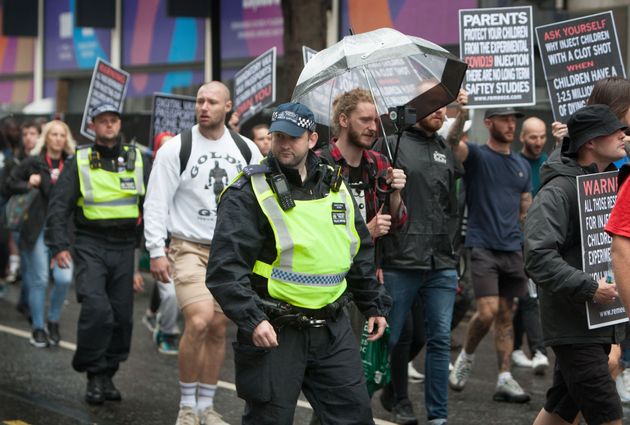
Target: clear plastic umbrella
(398,69)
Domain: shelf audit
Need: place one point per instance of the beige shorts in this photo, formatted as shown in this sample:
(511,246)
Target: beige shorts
(189,261)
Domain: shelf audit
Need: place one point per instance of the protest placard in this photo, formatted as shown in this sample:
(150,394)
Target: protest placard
(497,44)
(596,197)
(575,54)
(172,113)
(108,85)
(307,54)
(255,85)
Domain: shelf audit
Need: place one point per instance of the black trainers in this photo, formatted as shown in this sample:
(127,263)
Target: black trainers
(110,392)
(53,334)
(94,391)
(402,413)
(39,338)
(387,397)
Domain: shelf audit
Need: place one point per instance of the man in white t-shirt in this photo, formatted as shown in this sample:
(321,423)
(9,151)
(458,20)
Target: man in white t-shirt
(181,201)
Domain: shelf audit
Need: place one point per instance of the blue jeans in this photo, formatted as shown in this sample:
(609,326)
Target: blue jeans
(24,286)
(436,289)
(37,269)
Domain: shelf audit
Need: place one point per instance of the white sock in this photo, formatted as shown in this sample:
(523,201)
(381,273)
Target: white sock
(188,394)
(467,356)
(205,396)
(14,263)
(504,376)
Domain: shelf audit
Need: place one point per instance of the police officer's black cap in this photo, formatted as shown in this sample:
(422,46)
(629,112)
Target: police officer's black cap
(497,112)
(588,123)
(103,108)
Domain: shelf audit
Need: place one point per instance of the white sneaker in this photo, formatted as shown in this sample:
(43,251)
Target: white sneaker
(540,363)
(413,374)
(209,416)
(621,390)
(12,275)
(14,269)
(187,416)
(520,359)
(510,391)
(461,372)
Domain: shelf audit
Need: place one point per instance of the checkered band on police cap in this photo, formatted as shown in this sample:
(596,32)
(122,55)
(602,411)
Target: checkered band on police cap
(300,121)
(293,119)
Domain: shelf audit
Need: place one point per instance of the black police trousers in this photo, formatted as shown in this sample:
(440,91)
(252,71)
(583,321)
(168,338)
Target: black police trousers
(104,286)
(323,363)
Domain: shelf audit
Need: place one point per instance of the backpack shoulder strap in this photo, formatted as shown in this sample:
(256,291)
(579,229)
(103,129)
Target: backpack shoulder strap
(185,149)
(242,146)
(372,170)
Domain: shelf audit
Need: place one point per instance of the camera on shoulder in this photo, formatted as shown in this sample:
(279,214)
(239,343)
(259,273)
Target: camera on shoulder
(402,116)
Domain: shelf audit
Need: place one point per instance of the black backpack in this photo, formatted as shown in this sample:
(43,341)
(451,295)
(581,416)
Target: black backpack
(186,147)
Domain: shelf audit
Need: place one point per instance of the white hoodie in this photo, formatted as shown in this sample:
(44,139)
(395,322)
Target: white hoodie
(186,205)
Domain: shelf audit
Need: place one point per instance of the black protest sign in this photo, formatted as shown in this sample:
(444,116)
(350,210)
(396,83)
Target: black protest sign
(498,46)
(307,54)
(108,85)
(596,197)
(171,113)
(575,54)
(255,85)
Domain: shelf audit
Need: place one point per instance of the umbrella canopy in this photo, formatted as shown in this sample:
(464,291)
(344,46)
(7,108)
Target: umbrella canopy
(398,69)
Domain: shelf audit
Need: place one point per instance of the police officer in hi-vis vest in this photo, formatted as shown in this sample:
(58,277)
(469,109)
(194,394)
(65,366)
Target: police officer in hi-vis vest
(288,253)
(102,187)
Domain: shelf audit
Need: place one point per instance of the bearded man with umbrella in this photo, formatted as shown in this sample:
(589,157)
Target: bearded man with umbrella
(407,75)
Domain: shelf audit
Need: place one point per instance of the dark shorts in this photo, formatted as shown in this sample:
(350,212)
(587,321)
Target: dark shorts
(582,382)
(497,273)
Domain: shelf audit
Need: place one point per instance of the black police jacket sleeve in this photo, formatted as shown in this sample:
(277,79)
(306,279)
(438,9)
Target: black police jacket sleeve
(239,236)
(147,165)
(63,200)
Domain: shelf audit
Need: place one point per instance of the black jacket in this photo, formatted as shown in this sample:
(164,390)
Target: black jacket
(63,203)
(553,257)
(243,235)
(17,183)
(5,173)
(427,239)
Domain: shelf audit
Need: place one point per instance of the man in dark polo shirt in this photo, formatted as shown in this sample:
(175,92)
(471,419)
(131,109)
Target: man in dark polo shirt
(498,193)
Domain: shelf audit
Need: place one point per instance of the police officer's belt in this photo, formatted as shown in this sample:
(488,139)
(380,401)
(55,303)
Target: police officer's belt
(282,313)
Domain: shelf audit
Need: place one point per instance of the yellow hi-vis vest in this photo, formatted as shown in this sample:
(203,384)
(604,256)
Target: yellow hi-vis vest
(108,195)
(316,242)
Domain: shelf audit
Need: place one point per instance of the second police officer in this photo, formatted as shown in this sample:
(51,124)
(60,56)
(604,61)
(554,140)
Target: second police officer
(102,186)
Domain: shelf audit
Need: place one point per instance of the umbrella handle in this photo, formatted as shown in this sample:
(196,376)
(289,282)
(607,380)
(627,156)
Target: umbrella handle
(395,157)
(384,192)
(389,189)
(378,242)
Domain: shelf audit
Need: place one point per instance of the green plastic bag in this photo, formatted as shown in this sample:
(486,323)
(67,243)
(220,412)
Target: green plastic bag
(375,358)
